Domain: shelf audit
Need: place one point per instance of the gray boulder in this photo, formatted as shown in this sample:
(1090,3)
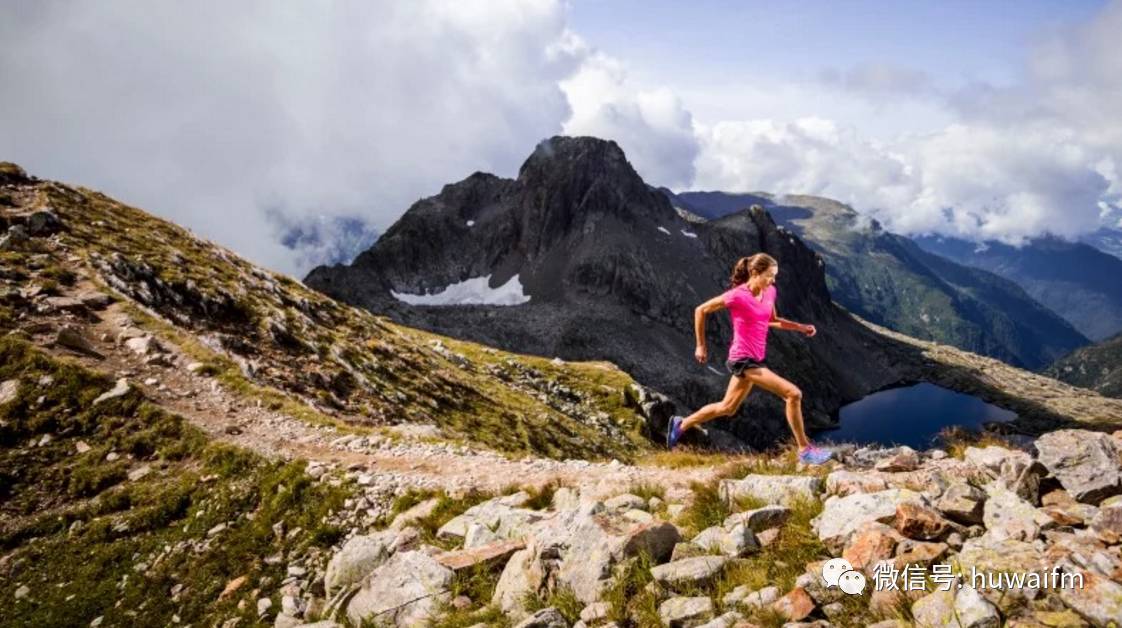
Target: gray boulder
(407,590)
(963,503)
(1007,516)
(685,611)
(1086,463)
(358,557)
(599,542)
(689,571)
(524,575)
(772,489)
(841,517)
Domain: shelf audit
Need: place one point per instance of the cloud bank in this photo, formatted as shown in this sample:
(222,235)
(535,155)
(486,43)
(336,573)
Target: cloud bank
(292,132)
(1040,156)
(215,114)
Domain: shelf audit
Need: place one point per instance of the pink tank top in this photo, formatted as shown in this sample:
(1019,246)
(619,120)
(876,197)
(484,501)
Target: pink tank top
(750,318)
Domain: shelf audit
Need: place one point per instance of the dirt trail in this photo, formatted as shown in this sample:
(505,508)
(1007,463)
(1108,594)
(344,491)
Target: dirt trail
(402,461)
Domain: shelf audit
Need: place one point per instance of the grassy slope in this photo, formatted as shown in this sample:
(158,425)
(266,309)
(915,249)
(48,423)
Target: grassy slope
(332,358)
(75,530)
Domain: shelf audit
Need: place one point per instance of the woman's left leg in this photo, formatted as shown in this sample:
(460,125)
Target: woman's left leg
(738,389)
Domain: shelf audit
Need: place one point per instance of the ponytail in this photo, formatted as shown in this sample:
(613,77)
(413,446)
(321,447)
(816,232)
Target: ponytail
(747,266)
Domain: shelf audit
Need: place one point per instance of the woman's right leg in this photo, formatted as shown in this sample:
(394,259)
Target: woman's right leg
(791,395)
(738,389)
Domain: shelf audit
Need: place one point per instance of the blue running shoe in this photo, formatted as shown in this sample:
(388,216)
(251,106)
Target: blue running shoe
(814,455)
(673,432)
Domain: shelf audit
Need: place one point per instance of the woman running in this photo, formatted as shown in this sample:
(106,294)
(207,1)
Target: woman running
(751,303)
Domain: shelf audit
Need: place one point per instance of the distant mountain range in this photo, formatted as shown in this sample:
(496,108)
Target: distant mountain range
(1098,367)
(889,280)
(1075,280)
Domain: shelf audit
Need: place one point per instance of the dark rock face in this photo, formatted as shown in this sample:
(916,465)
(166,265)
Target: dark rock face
(612,273)
(888,279)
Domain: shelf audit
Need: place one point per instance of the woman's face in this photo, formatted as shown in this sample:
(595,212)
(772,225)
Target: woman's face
(767,277)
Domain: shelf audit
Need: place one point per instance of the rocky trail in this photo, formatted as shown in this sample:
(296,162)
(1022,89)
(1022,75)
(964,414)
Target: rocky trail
(388,460)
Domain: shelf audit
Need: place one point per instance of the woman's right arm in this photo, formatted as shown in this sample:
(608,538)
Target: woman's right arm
(699,315)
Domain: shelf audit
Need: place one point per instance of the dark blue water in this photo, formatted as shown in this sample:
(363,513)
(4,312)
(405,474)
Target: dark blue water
(912,415)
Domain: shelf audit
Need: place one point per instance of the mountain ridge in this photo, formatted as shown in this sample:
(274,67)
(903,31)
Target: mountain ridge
(1076,280)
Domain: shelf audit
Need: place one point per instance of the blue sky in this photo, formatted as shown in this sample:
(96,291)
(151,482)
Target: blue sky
(279,128)
(706,41)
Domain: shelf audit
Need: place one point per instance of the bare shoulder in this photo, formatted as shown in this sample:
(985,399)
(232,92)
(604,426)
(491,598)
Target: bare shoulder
(716,303)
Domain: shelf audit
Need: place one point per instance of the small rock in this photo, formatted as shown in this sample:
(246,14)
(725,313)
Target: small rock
(595,612)
(1107,523)
(697,570)
(144,345)
(625,502)
(81,447)
(232,586)
(139,472)
(768,537)
(8,390)
(772,489)
(795,605)
(919,522)
(43,222)
(680,611)
(22,592)
(974,611)
(121,389)
(728,620)
(963,503)
(263,606)
(905,459)
(545,618)
(72,338)
(841,517)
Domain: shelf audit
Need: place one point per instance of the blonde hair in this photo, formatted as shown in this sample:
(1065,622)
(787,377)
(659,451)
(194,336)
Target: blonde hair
(746,267)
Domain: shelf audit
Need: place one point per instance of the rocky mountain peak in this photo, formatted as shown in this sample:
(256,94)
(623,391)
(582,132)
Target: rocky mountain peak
(568,177)
(563,157)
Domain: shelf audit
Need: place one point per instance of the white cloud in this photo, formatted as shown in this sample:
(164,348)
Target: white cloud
(651,125)
(210,112)
(1015,162)
(806,156)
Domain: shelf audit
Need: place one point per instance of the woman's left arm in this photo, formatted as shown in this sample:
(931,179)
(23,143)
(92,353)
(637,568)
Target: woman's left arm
(783,323)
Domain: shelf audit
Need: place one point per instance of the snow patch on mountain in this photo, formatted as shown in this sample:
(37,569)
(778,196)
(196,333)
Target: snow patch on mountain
(474,291)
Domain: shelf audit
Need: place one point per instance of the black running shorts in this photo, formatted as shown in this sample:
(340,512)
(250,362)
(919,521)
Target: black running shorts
(737,367)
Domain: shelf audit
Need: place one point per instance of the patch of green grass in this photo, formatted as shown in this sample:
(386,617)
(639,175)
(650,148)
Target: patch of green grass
(116,548)
(646,490)
(541,496)
(630,602)
(562,598)
(447,508)
(707,509)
